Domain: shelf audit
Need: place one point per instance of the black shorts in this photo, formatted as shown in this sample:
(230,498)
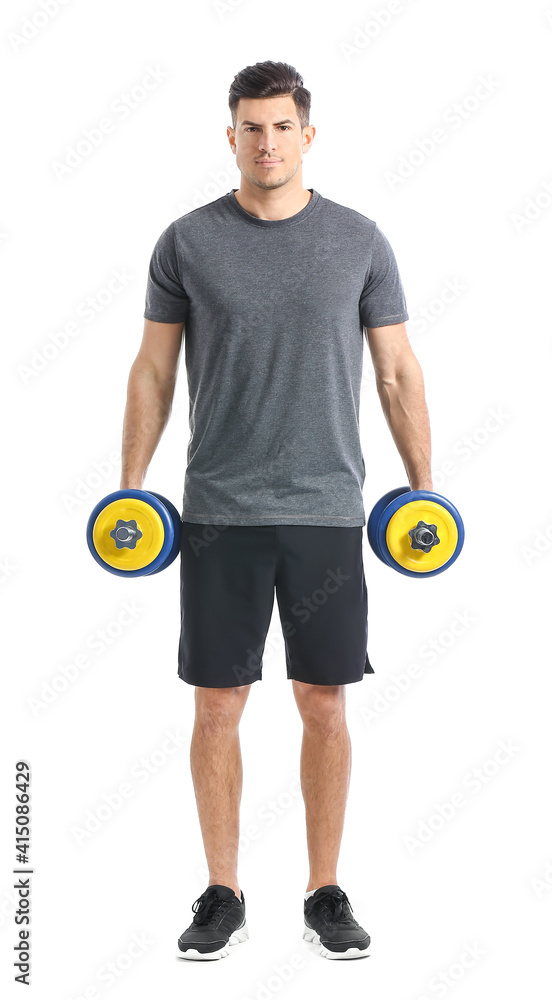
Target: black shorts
(227,578)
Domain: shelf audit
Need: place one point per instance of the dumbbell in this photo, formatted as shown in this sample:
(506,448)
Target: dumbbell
(416,532)
(134,533)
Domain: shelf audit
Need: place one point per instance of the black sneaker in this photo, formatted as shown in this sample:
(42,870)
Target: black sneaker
(329,922)
(218,923)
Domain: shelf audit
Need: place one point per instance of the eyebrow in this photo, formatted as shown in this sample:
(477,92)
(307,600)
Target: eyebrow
(283,122)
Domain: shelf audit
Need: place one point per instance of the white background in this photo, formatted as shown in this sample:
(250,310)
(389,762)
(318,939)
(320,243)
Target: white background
(475,214)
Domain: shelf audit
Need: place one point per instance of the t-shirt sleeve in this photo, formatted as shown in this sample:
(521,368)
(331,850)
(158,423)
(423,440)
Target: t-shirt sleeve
(382,300)
(166,298)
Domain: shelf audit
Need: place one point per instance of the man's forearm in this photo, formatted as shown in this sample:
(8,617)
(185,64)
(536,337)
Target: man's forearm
(404,406)
(147,412)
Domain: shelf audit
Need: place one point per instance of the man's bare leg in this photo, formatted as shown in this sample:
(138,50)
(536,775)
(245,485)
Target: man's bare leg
(216,766)
(325,775)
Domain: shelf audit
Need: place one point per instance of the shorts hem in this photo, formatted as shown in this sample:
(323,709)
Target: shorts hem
(368,669)
(351,680)
(201,683)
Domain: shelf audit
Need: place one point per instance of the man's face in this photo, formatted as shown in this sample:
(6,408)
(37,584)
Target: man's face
(268,129)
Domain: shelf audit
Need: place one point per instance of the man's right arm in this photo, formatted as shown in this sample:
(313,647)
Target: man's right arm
(149,398)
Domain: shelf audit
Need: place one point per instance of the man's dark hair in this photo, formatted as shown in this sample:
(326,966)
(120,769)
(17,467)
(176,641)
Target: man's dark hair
(270,79)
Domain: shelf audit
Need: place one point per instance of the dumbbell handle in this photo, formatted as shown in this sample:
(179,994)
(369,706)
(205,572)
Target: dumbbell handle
(423,536)
(123,534)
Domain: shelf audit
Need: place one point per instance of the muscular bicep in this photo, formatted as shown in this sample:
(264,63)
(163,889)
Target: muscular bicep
(389,348)
(160,348)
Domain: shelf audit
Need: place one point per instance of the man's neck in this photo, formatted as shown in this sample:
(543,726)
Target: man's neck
(273,211)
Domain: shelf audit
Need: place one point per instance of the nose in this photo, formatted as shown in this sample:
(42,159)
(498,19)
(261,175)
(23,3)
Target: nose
(267,145)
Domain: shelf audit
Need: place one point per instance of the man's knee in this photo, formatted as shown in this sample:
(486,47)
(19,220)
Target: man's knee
(218,708)
(321,706)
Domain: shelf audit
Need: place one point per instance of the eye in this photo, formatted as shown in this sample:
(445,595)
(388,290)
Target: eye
(254,127)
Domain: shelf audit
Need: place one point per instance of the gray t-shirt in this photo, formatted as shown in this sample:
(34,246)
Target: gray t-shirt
(274,314)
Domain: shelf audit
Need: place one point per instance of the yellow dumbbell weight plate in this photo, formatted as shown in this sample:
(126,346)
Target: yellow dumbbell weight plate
(147,548)
(407,517)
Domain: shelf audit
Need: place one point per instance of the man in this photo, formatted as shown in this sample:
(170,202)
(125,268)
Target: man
(273,286)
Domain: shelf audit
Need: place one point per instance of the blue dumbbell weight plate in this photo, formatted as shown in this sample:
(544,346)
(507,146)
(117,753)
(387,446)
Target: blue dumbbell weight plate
(133,533)
(416,532)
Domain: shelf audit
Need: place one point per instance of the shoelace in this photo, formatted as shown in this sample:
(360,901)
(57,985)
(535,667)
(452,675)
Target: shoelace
(334,902)
(207,906)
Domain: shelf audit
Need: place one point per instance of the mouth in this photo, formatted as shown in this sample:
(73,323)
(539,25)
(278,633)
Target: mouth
(268,163)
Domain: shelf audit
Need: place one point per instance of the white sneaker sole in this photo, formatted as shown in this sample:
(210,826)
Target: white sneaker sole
(242,934)
(314,938)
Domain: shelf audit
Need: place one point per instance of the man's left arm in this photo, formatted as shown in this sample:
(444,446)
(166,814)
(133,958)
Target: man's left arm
(400,385)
